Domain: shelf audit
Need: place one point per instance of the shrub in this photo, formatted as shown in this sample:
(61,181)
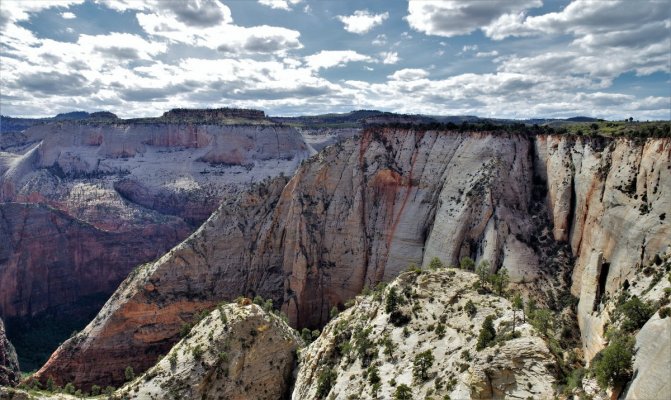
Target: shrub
(129,374)
(325,382)
(542,321)
(391,302)
(69,388)
(470,308)
(403,392)
(173,359)
(420,366)
(664,312)
(306,335)
(499,281)
(440,330)
(50,384)
(487,333)
(373,375)
(397,318)
(435,264)
(95,390)
(467,263)
(334,312)
(197,352)
(614,365)
(636,314)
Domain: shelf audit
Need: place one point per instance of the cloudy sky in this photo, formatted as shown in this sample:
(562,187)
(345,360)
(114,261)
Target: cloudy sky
(508,59)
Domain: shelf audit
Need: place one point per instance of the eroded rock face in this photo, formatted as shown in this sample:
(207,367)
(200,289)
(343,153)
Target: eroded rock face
(236,352)
(609,199)
(518,368)
(126,191)
(49,258)
(653,361)
(359,213)
(9,366)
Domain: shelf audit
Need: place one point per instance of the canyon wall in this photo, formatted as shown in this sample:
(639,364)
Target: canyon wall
(9,366)
(112,196)
(361,211)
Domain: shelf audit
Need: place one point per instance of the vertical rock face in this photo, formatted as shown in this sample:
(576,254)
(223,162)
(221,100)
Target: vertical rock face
(653,361)
(361,211)
(609,200)
(438,323)
(236,352)
(9,366)
(125,193)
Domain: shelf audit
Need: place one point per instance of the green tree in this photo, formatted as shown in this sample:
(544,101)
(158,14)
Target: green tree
(95,390)
(325,382)
(467,263)
(531,308)
(403,392)
(334,312)
(50,384)
(483,272)
(306,335)
(500,281)
(542,320)
(518,305)
(487,333)
(391,302)
(69,388)
(129,374)
(470,308)
(420,366)
(636,314)
(435,264)
(613,365)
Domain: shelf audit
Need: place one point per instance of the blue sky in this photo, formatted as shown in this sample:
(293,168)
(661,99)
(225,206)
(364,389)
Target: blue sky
(507,59)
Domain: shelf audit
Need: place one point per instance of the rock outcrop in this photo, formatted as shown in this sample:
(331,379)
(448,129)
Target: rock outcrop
(236,352)
(361,211)
(366,353)
(9,366)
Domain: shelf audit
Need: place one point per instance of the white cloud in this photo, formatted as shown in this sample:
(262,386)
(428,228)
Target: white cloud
(486,54)
(282,4)
(68,15)
(224,37)
(380,40)
(472,47)
(390,57)
(12,11)
(334,58)
(409,74)
(362,21)
(459,17)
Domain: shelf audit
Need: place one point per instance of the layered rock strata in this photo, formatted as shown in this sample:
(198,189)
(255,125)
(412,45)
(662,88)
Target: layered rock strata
(360,212)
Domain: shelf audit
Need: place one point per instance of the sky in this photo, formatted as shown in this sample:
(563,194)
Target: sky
(501,59)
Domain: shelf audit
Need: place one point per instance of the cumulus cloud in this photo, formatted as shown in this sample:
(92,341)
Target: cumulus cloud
(68,15)
(13,11)
(334,58)
(390,57)
(459,17)
(281,4)
(362,21)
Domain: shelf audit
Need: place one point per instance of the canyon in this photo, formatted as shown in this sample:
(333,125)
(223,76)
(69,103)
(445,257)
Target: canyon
(567,216)
(82,202)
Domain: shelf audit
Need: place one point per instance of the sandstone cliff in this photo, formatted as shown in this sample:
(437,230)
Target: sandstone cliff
(105,197)
(359,212)
(236,352)
(363,354)
(9,366)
